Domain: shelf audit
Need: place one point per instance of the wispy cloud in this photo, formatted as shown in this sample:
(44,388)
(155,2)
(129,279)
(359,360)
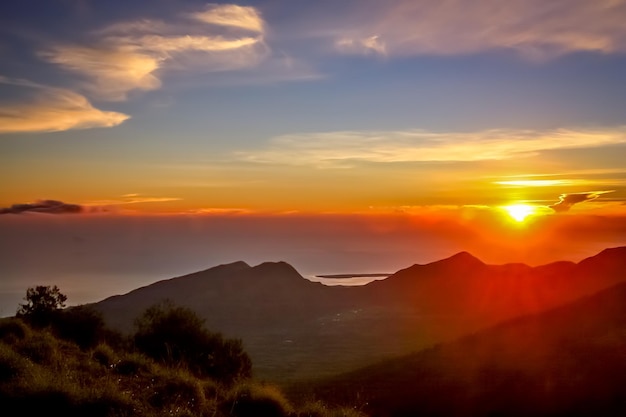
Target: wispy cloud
(112,71)
(543,183)
(129,199)
(566,201)
(536,28)
(231,15)
(132,55)
(343,148)
(220,211)
(50,109)
(365,46)
(43,206)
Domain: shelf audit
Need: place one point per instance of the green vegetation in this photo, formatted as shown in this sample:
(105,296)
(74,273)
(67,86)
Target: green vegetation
(41,304)
(74,366)
(176,335)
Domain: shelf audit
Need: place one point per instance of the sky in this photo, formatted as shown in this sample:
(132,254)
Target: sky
(146,139)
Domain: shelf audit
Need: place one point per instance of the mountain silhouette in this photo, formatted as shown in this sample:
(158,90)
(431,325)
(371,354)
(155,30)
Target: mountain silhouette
(294,328)
(568,361)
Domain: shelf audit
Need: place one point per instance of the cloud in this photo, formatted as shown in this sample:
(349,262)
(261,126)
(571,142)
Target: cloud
(130,199)
(43,206)
(370,45)
(133,55)
(231,15)
(112,71)
(343,148)
(53,109)
(220,211)
(566,201)
(535,28)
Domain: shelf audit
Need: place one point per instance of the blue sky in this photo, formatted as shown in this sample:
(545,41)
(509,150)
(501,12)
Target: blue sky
(428,109)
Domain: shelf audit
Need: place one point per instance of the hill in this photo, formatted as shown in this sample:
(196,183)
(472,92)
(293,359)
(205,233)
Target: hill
(45,372)
(569,361)
(294,328)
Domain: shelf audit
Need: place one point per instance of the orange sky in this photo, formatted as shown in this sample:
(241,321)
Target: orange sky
(159,137)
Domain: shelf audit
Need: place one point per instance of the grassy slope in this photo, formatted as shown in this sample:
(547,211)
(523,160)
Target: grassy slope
(43,375)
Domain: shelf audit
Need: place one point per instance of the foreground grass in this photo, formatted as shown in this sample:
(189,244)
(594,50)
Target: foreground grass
(41,374)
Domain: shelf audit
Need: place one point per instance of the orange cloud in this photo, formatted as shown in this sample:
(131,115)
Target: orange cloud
(112,71)
(130,199)
(52,110)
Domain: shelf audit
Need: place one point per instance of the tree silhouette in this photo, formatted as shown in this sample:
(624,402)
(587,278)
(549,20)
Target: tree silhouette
(42,303)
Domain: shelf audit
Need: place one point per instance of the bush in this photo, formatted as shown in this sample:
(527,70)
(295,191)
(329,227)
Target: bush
(12,364)
(13,330)
(133,364)
(177,391)
(176,336)
(251,400)
(41,348)
(81,325)
(104,355)
(106,403)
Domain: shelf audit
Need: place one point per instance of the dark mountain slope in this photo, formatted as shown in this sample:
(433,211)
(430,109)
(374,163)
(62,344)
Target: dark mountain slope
(475,295)
(293,327)
(231,296)
(570,361)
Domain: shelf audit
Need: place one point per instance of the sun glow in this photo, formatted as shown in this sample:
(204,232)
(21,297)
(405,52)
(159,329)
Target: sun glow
(519,212)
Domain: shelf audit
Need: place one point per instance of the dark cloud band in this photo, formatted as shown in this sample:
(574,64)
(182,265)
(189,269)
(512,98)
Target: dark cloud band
(43,206)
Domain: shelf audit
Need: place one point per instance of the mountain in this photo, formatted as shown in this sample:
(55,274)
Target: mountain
(569,361)
(294,328)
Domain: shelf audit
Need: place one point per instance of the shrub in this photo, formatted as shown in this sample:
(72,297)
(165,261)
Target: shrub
(133,364)
(104,402)
(40,348)
(81,325)
(13,330)
(253,400)
(12,364)
(177,391)
(176,336)
(104,355)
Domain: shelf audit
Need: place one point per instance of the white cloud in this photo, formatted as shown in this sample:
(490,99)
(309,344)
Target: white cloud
(132,55)
(536,28)
(165,44)
(231,15)
(52,110)
(343,148)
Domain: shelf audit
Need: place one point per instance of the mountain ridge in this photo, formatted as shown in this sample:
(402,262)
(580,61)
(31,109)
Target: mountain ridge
(293,327)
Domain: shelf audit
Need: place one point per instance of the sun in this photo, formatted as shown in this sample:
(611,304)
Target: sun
(519,212)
